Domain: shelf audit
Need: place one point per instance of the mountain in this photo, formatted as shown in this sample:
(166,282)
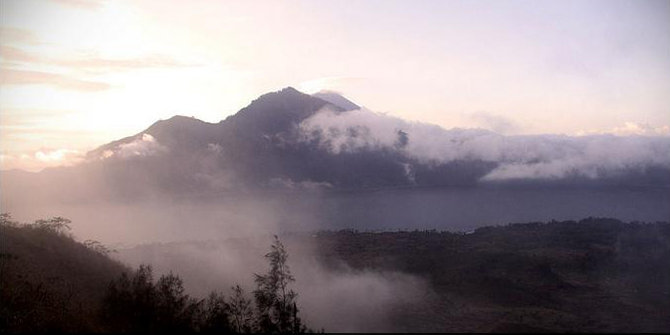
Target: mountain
(260,147)
(337,100)
(49,282)
(287,140)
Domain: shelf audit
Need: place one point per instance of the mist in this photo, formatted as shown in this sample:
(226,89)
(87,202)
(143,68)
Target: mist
(215,243)
(336,298)
(202,200)
(543,157)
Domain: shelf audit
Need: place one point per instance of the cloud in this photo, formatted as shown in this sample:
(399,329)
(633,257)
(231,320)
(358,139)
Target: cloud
(24,118)
(13,57)
(39,159)
(108,64)
(145,145)
(17,35)
(364,129)
(496,123)
(58,155)
(82,4)
(61,81)
(326,84)
(305,185)
(92,63)
(597,156)
(516,157)
(363,301)
(9,53)
(336,298)
(633,128)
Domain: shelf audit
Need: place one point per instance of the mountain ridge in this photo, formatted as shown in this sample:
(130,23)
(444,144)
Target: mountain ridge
(271,144)
(336,99)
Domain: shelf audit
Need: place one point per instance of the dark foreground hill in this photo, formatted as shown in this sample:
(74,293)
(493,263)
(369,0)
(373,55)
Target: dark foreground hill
(48,281)
(595,275)
(51,283)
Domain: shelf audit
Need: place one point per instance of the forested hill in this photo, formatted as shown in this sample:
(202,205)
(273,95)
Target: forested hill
(594,275)
(50,282)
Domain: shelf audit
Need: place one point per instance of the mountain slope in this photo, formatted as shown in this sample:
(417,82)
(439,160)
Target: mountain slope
(337,100)
(290,140)
(261,146)
(49,282)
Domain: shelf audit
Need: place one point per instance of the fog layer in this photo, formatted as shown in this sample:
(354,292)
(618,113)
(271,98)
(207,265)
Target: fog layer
(336,299)
(517,157)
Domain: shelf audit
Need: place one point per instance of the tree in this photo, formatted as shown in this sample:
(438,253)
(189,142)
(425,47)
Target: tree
(215,315)
(241,313)
(56,224)
(275,302)
(173,307)
(130,302)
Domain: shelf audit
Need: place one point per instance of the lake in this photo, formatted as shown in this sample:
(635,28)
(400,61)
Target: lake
(163,219)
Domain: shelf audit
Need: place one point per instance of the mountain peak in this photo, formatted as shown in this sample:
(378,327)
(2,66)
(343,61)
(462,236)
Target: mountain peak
(336,99)
(277,111)
(289,89)
(175,122)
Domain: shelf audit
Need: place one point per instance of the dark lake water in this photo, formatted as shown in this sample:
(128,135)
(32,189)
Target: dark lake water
(454,209)
(468,208)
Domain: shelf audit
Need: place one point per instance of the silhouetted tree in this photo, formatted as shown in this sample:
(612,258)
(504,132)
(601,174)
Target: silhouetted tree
(129,305)
(56,224)
(174,310)
(215,315)
(241,312)
(275,302)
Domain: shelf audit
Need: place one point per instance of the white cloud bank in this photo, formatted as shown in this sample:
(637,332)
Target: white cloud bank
(633,128)
(40,159)
(145,145)
(518,157)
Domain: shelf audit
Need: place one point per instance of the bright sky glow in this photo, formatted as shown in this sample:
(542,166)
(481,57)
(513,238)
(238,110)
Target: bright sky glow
(75,74)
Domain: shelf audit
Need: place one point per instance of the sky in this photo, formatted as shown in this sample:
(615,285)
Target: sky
(76,74)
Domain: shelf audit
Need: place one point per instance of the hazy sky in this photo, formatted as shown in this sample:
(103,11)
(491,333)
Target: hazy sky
(75,74)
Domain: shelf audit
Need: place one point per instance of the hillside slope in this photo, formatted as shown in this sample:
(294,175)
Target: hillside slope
(595,275)
(50,282)
(287,140)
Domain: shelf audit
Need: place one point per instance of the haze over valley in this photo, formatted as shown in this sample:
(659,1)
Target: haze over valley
(340,169)
(292,167)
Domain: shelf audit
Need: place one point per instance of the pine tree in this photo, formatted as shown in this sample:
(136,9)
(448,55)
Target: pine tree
(215,315)
(275,301)
(241,313)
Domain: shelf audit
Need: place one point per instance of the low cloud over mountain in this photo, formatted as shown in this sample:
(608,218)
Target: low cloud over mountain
(538,157)
(288,140)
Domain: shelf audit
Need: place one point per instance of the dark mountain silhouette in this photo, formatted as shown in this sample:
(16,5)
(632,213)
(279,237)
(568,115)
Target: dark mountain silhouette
(263,147)
(48,281)
(337,100)
(260,147)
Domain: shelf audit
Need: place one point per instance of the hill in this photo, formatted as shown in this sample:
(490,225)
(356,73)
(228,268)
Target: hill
(287,140)
(595,275)
(50,282)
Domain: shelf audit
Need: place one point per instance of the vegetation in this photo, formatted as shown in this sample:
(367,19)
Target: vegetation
(50,282)
(137,304)
(275,302)
(593,275)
